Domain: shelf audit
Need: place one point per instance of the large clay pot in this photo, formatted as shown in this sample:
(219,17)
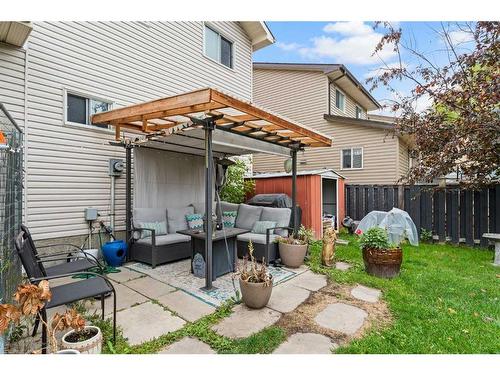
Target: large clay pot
(255,295)
(292,255)
(91,346)
(383,263)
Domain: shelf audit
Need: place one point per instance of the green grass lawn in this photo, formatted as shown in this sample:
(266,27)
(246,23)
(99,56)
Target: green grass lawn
(446,300)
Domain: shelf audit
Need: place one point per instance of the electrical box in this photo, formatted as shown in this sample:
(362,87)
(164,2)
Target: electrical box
(91,214)
(116,167)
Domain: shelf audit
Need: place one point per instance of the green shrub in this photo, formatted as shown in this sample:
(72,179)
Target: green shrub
(236,187)
(375,238)
(425,235)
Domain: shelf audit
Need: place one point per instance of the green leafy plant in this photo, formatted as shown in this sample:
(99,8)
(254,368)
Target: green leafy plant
(237,187)
(425,235)
(304,236)
(375,238)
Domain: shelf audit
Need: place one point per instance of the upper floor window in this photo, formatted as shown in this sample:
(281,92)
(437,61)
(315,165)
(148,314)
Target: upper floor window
(339,100)
(79,108)
(218,48)
(352,158)
(359,112)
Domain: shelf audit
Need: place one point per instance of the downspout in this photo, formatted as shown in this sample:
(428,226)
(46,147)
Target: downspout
(25,140)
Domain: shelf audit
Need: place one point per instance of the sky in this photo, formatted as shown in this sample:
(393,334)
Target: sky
(352,43)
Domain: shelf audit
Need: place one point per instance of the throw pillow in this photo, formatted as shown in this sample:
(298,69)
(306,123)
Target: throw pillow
(229,218)
(160,228)
(195,221)
(261,227)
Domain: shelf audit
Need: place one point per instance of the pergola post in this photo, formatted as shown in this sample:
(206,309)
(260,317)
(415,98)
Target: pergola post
(209,125)
(293,153)
(128,194)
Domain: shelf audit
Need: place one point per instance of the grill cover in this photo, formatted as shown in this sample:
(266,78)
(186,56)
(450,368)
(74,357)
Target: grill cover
(271,200)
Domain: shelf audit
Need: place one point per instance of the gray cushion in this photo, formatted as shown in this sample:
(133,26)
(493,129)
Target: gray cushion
(255,238)
(280,215)
(199,207)
(148,215)
(177,218)
(166,239)
(226,206)
(247,216)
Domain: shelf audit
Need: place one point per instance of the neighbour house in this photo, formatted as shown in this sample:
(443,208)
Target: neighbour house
(330,99)
(55,75)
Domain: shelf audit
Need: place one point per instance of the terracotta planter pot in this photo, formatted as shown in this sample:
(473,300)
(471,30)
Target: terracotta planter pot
(292,255)
(383,263)
(90,346)
(255,295)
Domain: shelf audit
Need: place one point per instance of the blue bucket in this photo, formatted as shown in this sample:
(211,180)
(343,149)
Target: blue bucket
(114,252)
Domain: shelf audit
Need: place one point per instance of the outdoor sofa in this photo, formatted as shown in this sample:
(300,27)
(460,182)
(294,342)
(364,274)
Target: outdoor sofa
(162,244)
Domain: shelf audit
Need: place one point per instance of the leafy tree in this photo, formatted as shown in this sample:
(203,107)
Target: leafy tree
(461,128)
(236,187)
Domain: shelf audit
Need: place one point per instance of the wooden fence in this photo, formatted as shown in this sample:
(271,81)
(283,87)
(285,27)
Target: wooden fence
(452,214)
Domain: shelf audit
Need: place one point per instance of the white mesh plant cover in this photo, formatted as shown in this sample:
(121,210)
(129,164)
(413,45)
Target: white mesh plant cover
(396,222)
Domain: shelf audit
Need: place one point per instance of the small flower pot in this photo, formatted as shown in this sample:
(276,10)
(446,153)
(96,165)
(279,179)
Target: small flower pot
(292,255)
(91,345)
(68,351)
(255,295)
(383,263)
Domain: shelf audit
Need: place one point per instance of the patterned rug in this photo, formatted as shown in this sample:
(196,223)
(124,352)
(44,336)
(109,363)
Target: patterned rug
(178,275)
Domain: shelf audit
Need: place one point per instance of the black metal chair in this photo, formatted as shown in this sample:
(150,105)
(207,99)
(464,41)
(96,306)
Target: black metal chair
(97,286)
(73,263)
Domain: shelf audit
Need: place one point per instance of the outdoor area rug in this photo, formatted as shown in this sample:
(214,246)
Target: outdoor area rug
(178,275)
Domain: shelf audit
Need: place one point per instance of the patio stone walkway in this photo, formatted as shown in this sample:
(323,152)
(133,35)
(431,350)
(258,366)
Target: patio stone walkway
(188,345)
(144,322)
(244,321)
(306,343)
(149,287)
(342,318)
(342,266)
(124,275)
(366,294)
(309,280)
(287,297)
(185,305)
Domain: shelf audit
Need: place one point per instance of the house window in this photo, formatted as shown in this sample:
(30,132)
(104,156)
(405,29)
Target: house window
(339,100)
(79,109)
(218,48)
(359,112)
(352,158)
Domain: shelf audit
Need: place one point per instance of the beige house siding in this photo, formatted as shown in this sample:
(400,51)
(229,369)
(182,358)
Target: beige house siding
(302,95)
(350,104)
(123,62)
(404,159)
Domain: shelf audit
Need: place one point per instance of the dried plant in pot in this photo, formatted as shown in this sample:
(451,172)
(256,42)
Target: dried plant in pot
(381,258)
(30,299)
(293,248)
(256,283)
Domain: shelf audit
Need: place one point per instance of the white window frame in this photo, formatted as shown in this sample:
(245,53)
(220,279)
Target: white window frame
(233,46)
(352,157)
(87,96)
(345,98)
(361,110)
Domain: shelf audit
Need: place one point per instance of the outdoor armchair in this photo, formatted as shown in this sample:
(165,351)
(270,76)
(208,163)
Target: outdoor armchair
(95,286)
(265,246)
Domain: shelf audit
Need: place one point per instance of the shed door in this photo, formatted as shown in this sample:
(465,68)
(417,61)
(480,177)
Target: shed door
(329,188)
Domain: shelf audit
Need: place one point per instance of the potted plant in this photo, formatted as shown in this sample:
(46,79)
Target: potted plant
(256,283)
(381,258)
(85,339)
(30,300)
(293,248)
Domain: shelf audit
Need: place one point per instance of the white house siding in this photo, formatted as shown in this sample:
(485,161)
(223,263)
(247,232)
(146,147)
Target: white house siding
(126,63)
(303,96)
(12,81)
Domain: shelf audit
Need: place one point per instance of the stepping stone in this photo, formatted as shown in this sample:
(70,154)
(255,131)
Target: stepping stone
(244,322)
(188,345)
(342,266)
(306,343)
(342,318)
(125,297)
(149,287)
(145,322)
(185,305)
(124,275)
(287,297)
(309,280)
(366,294)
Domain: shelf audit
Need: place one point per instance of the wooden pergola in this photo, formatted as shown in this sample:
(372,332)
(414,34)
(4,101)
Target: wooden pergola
(207,109)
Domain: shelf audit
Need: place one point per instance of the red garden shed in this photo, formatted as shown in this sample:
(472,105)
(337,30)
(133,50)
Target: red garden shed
(320,194)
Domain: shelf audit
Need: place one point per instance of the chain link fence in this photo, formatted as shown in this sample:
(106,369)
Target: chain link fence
(11,202)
